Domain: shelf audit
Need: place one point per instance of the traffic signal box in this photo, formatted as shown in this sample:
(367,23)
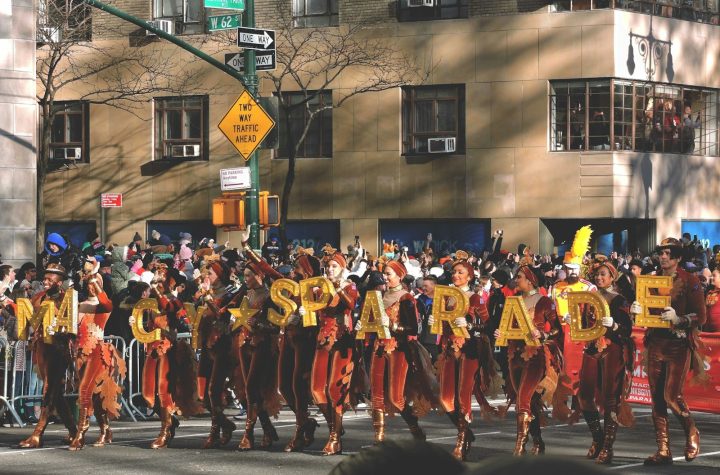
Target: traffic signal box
(229,211)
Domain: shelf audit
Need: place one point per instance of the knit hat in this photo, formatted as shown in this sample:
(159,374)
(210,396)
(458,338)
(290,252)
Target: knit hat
(155,234)
(137,237)
(185,253)
(398,268)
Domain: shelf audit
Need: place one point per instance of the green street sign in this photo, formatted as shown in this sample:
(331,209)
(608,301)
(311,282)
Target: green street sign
(226,4)
(223,22)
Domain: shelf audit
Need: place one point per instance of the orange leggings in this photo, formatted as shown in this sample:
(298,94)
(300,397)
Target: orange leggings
(93,367)
(457,380)
(155,379)
(330,378)
(397,367)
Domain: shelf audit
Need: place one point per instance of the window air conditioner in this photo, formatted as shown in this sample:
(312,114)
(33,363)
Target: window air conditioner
(441,145)
(67,153)
(179,151)
(168,26)
(421,3)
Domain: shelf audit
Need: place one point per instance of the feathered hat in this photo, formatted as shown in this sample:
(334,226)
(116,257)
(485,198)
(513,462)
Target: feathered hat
(580,246)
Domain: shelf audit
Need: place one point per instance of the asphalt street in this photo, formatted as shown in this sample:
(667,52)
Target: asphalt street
(129,452)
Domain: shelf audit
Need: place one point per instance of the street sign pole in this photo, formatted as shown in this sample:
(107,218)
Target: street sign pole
(251,82)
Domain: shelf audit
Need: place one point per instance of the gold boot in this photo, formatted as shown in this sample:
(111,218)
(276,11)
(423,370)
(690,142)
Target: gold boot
(378,417)
(462,444)
(83,425)
(105,431)
(523,426)
(165,424)
(692,437)
(606,454)
(663,456)
(334,443)
(593,421)
(248,440)
(35,440)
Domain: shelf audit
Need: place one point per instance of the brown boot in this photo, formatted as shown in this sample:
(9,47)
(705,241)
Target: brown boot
(227,427)
(412,422)
(536,435)
(523,426)
(692,437)
(663,455)
(297,443)
(334,443)
(378,417)
(105,431)
(35,440)
(83,425)
(248,440)
(593,421)
(165,424)
(270,435)
(462,444)
(606,454)
(213,439)
(309,431)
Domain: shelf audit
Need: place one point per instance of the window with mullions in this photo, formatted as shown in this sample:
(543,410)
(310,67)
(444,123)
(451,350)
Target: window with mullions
(421,10)
(181,128)
(318,140)
(314,13)
(433,112)
(644,116)
(69,134)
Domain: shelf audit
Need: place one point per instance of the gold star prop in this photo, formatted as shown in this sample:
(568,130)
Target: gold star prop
(242,314)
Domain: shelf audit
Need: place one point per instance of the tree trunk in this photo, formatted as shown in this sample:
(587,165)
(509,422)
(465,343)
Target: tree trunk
(289,181)
(42,168)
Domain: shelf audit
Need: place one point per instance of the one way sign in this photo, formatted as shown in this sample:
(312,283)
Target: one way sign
(255,38)
(264,61)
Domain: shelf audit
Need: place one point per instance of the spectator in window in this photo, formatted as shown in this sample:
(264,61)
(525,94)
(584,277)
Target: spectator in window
(160,243)
(687,134)
(670,127)
(93,246)
(57,250)
(599,129)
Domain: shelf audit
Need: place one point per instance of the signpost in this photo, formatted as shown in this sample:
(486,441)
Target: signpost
(223,22)
(256,39)
(232,179)
(246,124)
(264,61)
(226,4)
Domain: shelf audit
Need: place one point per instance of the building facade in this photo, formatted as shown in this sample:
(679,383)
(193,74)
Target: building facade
(535,119)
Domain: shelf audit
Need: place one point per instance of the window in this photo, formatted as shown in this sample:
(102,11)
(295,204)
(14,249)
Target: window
(186,16)
(644,117)
(318,141)
(59,20)
(433,112)
(314,13)
(704,11)
(420,10)
(69,134)
(181,128)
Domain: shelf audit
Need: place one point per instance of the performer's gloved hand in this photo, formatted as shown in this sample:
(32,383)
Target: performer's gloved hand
(461,322)
(293,319)
(608,321)
(131,320)
(496,333)
(567,319)
(385,321)
(358,326)
(302,311)
(669,315)
(431,320)
(636,308)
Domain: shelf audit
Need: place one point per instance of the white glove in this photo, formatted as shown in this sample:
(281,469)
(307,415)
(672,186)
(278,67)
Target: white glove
(358,325)
(608,321)
(567,319)
(431,320)
(131,320)
(461,322)
(636,308)
(301,311)
(669,315)
(385,321)
(496,334)
(293,319)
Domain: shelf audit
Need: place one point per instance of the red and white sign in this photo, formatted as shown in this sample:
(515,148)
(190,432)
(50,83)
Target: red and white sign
(111,200)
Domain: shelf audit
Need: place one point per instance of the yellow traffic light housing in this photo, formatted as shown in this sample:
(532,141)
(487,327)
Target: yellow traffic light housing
(269,206)
(229,211)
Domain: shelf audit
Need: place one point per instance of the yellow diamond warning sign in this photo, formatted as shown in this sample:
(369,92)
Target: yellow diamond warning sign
(246,124)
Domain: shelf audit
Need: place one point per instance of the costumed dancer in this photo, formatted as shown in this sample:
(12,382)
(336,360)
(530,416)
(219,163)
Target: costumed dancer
(99,364)
(170,369)
(533,370)
(256,349)
(673,352)
(334,362)
(51,360)
(607,366)
(462,361)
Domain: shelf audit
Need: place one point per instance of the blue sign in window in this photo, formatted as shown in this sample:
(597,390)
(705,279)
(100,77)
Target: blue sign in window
(312,233)
(707,231)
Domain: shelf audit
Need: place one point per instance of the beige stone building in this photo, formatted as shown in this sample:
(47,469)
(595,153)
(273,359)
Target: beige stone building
(539,118)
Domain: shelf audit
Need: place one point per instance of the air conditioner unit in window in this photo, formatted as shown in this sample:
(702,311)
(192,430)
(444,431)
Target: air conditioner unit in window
(441,145)
(168,26)
(179,151)
(67,153)
(421,3)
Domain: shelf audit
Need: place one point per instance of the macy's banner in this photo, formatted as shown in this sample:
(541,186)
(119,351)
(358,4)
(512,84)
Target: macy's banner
(699,398)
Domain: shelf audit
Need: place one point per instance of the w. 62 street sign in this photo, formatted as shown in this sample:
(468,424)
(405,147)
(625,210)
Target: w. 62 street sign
(223,22)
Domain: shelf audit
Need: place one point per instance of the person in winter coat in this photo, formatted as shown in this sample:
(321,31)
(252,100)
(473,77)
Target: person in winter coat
(119,272)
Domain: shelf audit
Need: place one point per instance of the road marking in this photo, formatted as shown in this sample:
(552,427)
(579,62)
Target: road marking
(675,459)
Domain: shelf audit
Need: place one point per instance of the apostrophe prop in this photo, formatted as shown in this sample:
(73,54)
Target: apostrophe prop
(644,284)
(515,312)
(592,302)
(373,307)
(308,300)
(194,316)
(461,303)
(280,293)
(243,314)
(138,329)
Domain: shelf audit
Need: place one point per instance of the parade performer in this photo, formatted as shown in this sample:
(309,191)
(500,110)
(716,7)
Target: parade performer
(297,351)
(170,369)
(51,360)
(393,357)
(673,352)
(462,361)
(334,364)
(256,349)
(99,364)
(533,370)
(607,366)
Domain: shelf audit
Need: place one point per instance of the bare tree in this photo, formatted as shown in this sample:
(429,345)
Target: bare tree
(115,73)
(313,60)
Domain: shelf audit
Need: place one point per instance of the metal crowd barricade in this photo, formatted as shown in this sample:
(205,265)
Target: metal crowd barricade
(7,366)
(121,346)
